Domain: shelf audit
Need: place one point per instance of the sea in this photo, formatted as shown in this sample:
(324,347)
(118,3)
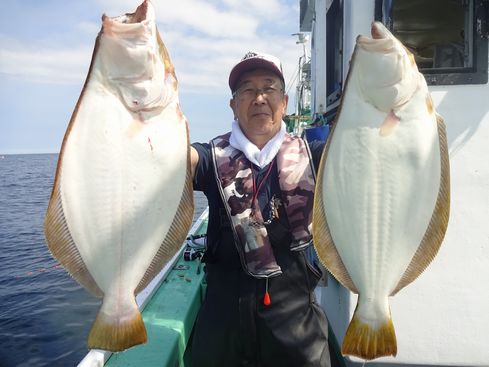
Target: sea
(45,315)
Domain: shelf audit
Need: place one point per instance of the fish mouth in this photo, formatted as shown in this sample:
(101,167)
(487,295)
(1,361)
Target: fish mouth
(131,36)
(381,41)
(143,15)
(140,14)
(131,52)
(379,31)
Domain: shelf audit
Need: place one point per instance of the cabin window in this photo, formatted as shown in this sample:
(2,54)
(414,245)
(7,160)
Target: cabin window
(333,52)
(334,55)
(447,37)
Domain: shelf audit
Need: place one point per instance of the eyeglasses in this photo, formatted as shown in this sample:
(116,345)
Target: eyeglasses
(248,92)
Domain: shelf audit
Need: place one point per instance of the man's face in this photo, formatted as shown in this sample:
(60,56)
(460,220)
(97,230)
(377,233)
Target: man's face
(259,104)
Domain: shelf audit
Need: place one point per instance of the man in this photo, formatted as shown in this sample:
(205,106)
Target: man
(259,308)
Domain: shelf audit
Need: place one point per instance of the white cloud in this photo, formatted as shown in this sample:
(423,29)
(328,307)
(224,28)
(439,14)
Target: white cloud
(209,20)
(203,64)
(42,64)
(205,39)
(218,18)
(259,7)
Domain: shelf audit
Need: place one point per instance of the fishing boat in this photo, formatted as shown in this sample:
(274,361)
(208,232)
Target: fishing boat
(441,319)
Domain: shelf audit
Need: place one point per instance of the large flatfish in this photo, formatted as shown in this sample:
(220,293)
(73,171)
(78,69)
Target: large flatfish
(382,196)
(122,200)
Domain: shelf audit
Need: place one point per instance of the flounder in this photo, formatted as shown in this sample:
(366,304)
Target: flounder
(383,192)
(122,199)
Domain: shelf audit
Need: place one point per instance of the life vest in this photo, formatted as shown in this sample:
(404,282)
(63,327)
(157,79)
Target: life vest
(235,181)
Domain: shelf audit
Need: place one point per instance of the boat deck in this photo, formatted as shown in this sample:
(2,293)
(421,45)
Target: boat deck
(169,306)
(169,317)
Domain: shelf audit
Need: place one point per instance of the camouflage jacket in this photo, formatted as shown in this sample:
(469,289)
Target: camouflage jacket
(236,185)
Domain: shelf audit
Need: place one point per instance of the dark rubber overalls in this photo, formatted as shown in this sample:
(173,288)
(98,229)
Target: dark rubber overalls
(234,327)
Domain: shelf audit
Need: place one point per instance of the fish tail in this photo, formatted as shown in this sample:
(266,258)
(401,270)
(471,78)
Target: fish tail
(117,335)
(367,342)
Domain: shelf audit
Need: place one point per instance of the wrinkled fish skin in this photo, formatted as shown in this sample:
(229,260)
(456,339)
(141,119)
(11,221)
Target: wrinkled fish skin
(122,201)
(382,196)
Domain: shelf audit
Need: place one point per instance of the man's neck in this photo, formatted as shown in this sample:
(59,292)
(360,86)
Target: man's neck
(260,141)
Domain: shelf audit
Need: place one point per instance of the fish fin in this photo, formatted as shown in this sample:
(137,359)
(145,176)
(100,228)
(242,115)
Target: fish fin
(165,56)
(364,341)
(117,336)
(58,237)
(177,232)
(437,227)
(389,124)
(323,241)
(429,105)
(62,245)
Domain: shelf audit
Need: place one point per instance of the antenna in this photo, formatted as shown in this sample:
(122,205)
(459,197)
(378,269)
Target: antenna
(302,39)
(303,88)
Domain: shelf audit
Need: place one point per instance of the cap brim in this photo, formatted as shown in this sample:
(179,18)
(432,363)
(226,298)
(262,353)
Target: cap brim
(248,65)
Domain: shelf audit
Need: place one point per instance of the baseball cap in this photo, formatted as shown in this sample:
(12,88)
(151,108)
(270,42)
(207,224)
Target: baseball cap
(255,60)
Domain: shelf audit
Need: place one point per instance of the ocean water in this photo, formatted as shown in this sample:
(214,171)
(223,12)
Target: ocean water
(45,315)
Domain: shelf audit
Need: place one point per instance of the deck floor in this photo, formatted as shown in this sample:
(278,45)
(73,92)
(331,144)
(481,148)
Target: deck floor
(169,318)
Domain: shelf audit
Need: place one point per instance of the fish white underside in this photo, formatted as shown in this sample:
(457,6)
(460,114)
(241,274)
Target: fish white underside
(382,198)
(380,191)
(121,184)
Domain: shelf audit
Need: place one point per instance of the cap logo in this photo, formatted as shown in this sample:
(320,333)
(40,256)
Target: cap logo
(249,55)
(253,60)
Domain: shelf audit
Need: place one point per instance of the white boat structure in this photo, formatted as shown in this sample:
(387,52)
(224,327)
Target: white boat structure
(441,319)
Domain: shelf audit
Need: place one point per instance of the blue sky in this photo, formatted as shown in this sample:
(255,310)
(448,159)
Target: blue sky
(46,47)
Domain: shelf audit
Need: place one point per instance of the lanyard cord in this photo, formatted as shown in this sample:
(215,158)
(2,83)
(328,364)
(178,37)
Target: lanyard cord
(257,190)
(266,297)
